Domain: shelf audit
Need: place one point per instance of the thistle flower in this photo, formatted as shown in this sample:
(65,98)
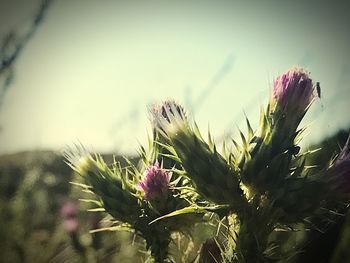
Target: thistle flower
(156,182)
(209,172)
(68,213)
(168,117)
(79,159)
(165,107)
(268,161)
(340,170)
(160,115)
(293,90)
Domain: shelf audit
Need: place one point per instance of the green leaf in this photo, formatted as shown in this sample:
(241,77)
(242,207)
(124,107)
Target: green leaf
(81,185)
(96,202)
(190,210)
(250,130)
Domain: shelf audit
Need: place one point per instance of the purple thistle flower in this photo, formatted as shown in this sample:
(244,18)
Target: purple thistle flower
(294,90)
(156,182)
(341,169)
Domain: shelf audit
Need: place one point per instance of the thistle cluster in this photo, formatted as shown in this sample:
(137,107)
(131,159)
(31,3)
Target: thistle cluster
(252,188)
(136,198)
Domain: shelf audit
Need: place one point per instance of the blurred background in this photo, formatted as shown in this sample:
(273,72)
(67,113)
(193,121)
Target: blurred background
(87,70)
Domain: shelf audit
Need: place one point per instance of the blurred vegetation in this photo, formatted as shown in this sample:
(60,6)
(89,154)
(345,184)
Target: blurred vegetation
(35,185)
(329,239)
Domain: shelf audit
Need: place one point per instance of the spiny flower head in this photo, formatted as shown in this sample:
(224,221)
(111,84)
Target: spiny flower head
(293,90)
(156,182)
(168,106)
(341,169)
(79,159)
(168,117)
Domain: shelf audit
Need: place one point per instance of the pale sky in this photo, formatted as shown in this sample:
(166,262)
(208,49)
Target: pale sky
(92,67)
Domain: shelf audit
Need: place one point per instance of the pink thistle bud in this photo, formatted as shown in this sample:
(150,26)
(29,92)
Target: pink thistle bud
(293,90)
(156,182)
(69,213)
(68,209)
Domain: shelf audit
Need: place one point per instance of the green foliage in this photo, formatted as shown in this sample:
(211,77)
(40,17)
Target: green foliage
(33,187)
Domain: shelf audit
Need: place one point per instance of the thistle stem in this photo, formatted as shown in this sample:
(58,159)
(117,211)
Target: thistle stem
(157,240)
(252,238)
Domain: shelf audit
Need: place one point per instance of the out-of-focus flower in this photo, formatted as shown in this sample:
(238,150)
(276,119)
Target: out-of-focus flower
(156,182)
(340,170)
(293,91)
(68,209)
(68,213)
(79,159)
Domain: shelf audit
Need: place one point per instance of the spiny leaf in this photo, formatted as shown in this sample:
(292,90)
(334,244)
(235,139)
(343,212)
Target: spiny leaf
(310,152)
(192,209)
(238,148)
(99,209)
(167,147)
(88,191)
(197,132)
(186,210)
(113,229)
(81,185)
(96,202)
(170,156)
(210,140)
(244,141)
(223,149)
(250,130)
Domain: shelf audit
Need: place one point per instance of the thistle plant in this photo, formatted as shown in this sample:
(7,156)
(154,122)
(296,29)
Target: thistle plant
(260,185)
(135,199)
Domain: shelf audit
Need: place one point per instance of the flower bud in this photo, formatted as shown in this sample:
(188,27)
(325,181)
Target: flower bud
(293,90)
(168,106)
(68,213)
(156,182)
(167,117)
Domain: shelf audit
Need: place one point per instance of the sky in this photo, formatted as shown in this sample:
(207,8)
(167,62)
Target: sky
(93,67)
